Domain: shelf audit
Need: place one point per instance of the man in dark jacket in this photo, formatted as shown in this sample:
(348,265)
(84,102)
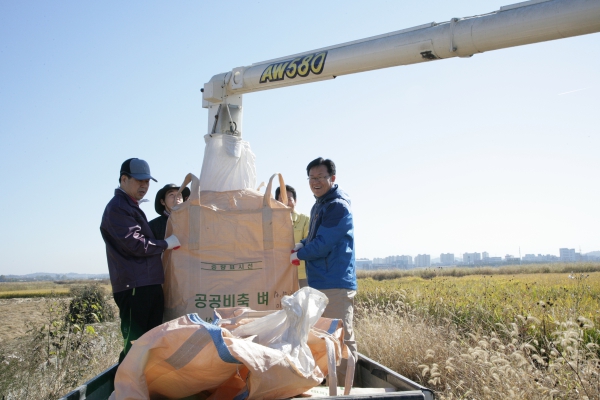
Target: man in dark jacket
(134,255)
(329,248)
(166,199)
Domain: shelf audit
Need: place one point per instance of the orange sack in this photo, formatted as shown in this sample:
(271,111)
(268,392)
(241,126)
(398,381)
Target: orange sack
(265,358)
(235,249)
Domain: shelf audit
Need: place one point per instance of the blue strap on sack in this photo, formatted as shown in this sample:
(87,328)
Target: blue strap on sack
(216,334)
(333,326)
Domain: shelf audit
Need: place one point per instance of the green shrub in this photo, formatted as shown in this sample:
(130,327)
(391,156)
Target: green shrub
(90,304)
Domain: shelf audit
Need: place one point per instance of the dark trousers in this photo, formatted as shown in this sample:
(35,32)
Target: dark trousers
(140,309)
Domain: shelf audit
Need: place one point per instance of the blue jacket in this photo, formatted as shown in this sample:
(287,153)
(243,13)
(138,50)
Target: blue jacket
(133,255)
(329,248)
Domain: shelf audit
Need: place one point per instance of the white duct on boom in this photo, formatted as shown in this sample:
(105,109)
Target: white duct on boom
(513,25)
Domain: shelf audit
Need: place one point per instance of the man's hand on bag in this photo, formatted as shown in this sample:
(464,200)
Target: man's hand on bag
(298,246)
(173,242)
(294,258)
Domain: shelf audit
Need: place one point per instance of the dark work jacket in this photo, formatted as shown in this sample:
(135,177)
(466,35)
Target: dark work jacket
(159,226)
(329,247)
(132,252)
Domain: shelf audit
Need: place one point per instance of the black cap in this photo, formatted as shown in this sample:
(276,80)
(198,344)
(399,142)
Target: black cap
(160,195)
(136,168)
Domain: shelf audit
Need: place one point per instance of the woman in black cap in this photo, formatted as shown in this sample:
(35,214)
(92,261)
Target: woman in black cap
(166,199)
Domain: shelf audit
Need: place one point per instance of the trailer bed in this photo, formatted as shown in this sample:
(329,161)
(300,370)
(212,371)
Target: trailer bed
(368,374)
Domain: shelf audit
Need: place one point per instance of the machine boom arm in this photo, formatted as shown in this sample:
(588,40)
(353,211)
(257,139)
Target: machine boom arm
(514,25)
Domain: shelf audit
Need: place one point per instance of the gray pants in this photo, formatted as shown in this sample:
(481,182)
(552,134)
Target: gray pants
(341,306)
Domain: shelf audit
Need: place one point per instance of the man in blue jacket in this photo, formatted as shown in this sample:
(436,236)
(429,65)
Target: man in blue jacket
(134,255)
(329,247)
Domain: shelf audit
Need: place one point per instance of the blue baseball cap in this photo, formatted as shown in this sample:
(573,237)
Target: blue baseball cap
(137,168)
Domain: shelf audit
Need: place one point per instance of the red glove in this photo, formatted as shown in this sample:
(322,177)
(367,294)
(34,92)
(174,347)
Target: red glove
(294,258)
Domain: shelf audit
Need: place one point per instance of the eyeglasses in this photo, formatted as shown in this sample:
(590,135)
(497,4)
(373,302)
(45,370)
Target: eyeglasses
(318,179)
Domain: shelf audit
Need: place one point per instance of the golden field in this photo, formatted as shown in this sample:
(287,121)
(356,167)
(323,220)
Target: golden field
(12,290)
(483,301)
(491,336)
(520,332)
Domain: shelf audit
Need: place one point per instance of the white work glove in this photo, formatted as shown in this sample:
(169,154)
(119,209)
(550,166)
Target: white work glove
(173,242)
(298,246)
(294,258)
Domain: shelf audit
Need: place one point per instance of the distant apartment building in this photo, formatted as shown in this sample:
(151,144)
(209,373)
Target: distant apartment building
(422,260)
(405,260)
(485,255)
(364,263)
(567,255)
(471,258)
(389,260)
(540,258)
(587,257)
(447,258)
(394,261)
(547,258)
(510,259)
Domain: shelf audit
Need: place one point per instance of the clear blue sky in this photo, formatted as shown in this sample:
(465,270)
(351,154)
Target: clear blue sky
(483,154)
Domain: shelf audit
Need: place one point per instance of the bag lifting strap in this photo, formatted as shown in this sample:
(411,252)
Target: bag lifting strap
(267,214)
(194,199)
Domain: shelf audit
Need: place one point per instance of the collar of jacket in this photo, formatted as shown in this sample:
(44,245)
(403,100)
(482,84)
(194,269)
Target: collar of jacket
(331,194)
(122,193)
(135,202)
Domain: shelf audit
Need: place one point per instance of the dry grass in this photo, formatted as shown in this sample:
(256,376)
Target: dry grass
(58,352)
(483,301)
(466,335)
(487,337)
(18,315)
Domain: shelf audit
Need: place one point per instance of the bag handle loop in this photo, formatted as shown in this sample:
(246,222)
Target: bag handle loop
(194,190)
(194,209)
(331,365)
(283,193)
(332,375)
(351,366)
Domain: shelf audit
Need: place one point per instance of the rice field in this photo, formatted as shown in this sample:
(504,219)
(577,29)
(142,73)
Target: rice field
(496,336)
(36,289)
(482,301)
(467,333)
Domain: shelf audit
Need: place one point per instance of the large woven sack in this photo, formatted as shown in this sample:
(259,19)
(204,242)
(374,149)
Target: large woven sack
(279,362)
(325,338)
(235,249)
(324,330)
(176,359)
(269,359)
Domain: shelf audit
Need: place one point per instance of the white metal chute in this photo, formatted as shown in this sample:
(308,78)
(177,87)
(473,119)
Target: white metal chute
(514,25)
(530,22)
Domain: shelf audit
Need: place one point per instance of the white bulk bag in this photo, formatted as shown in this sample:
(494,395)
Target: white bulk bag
(228,164)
